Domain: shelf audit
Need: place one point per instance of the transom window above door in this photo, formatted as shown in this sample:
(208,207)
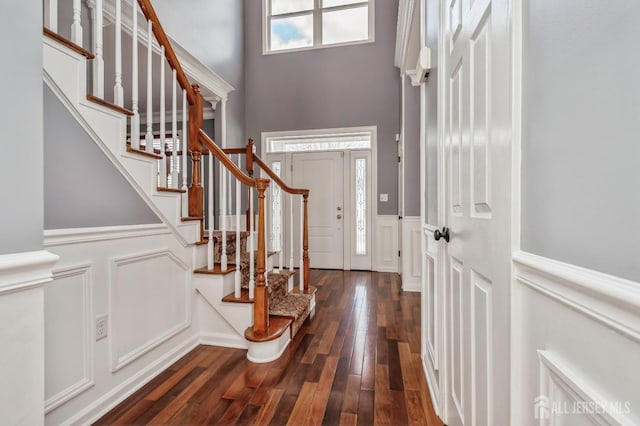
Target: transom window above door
(308,24)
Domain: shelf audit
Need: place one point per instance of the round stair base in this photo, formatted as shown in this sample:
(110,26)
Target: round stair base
(263,352)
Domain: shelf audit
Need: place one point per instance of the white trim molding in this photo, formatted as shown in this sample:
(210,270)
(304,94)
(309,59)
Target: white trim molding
(21,271)
(610,300)
(411,254)
(58,237)
(386,244)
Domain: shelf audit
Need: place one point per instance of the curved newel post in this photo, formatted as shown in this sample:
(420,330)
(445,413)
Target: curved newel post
(261,297)
(305,242)
(196,191)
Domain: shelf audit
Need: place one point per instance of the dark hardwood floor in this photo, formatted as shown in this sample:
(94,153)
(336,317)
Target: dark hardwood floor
(357,362)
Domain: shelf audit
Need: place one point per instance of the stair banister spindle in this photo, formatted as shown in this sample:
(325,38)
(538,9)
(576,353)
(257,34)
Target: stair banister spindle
(76,26)
(291,200)
(261,298)
(98,61)
(305,241)
(251,245)
(135,119)
(51,15)
(238,245)
(281,235)
(223,184)
(163,128)
(118,91)
(149,135)
(301,241)
(266,240)
(174,131)
(210,225)
(185,152)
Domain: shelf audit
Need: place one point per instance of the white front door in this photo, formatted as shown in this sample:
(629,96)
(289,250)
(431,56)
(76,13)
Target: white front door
(475,50)
(322,174)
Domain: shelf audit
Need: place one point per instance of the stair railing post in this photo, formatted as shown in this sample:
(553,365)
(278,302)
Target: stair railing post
(76,26)
(251,238)
(184,136)
(196,192)
(291,200)
(118,91)
(51,15)
(302,204)
(149,135)
(261,298)
(174,130)
(281,234)
(210,247)
(305,241)
(249,168)
(223,187)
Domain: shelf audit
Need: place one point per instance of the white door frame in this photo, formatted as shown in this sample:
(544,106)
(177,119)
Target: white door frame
(347,226)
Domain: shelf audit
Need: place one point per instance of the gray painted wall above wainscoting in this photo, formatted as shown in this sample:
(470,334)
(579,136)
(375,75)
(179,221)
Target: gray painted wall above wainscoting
(332,87)
(82,187)
(581,127)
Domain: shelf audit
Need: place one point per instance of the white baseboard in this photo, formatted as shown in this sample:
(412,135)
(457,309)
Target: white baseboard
(224,340)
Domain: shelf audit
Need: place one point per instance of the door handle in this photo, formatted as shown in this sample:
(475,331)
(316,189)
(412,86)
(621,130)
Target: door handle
(437,234)
(339,216)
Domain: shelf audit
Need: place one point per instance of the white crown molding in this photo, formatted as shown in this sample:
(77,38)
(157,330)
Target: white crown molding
(58,237)
(21,271)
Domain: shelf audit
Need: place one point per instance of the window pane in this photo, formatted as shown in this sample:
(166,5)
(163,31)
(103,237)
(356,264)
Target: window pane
(331,3)
(361,206)
(341,26)
(289,6)
(289,33)
(321,143)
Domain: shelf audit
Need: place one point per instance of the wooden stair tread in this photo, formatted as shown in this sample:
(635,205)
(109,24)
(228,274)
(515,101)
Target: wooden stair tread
(71,45)
(108,104)
(310,292)
(176,190)
(244,297)
(145,153)
(217,270)
(277,326)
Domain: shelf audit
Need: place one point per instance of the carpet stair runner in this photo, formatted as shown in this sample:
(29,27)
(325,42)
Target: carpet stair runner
(293,304)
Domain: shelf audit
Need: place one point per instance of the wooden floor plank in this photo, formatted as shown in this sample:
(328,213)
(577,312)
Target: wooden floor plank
(357,362)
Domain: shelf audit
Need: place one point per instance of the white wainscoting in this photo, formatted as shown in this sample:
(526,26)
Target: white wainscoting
(68,316)
(575,341)
(150,301)
(386,243)
(140,277)
(411,254)
(22,277)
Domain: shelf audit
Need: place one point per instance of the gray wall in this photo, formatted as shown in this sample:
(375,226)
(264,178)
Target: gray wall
(212,30)
(325,88)
(411,149)
(82,187)
(581,130)
(21,217)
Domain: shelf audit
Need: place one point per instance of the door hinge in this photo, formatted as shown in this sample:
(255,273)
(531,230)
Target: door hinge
(399,253)
(399,159)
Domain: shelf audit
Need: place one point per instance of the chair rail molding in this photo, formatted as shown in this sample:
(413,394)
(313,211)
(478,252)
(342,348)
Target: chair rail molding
(21,271)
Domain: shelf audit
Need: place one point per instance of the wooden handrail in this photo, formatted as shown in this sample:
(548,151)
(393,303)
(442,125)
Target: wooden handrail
(276,178)
(169,53)
(226,161)
(234,150)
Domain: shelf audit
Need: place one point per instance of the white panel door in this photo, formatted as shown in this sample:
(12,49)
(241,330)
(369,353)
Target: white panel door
(322,174)
(477,163)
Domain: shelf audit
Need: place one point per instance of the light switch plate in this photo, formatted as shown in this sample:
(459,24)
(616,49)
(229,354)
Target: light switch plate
(384,198)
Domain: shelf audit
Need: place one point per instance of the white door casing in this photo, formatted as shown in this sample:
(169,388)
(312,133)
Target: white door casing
(322,174)
(475,54)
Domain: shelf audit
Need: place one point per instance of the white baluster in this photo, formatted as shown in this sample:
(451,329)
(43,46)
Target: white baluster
(149,136)
(118,92)
(238,199)
(98,61)
(210,213)
(135,119)
(51,15)
(223,184)
(291,232)
(281,235)
(163,126)
(76,26)
(251,245)
(301,241)
(185,139)
(174,132)
(266,245)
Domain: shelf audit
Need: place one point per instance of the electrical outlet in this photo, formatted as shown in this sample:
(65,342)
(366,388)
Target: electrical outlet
(102,326)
